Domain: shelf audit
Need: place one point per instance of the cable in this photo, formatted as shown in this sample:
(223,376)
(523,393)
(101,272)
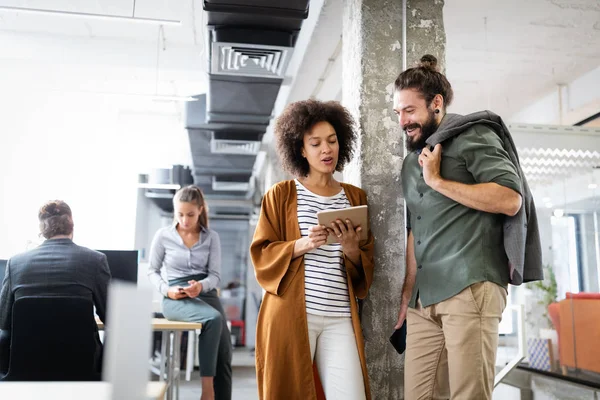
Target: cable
(160,32)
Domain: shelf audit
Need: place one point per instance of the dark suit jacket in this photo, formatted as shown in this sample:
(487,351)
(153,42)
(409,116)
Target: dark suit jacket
(57,267)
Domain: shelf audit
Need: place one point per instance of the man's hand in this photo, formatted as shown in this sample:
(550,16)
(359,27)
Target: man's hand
(431,161)
(175,293)
(194,289)
(401,315)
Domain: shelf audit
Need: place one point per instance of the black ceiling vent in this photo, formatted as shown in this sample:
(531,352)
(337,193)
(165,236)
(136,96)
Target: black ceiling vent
(225,185)
(208,163)
(250,46)
(161,184)
(247,68)
(241,100)
(231,142)
(231,183)
(269,14)
(195,118)
(250,52)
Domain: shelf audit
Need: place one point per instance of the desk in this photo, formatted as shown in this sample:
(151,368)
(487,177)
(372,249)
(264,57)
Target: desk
(69,390)
(171,343)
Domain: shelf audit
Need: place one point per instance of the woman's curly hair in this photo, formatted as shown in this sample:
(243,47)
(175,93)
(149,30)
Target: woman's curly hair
(299,118)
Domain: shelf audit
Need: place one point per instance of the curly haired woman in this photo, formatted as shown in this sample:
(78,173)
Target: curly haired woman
(309,312)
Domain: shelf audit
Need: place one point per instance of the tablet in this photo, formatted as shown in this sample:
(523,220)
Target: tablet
(357,215)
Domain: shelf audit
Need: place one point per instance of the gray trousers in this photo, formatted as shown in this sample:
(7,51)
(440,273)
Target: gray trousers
(214,343)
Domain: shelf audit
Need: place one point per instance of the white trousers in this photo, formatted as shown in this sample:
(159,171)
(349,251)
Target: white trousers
(333,346)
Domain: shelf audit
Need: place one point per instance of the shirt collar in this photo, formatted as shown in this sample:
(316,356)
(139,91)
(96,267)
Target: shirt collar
(174,227)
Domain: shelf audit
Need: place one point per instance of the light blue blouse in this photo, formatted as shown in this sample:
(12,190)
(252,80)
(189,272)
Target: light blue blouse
(168,250)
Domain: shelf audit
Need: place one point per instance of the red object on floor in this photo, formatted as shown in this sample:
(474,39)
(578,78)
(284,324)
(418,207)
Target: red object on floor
(241,325)
(577,322)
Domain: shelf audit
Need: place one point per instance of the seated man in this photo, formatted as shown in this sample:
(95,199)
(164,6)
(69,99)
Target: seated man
(57,267)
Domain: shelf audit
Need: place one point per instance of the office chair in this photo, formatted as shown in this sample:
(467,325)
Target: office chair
(53,339)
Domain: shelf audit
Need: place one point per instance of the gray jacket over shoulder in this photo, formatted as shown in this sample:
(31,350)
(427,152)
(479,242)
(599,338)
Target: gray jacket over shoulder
(521,233)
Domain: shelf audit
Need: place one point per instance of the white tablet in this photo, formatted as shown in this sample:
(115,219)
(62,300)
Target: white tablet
(357,215)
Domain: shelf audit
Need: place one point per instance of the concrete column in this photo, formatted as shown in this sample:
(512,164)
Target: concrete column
(273,170)
(372,58)
(425,31)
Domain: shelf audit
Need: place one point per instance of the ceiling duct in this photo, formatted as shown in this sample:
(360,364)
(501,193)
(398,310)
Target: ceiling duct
(247,67)
(161,184)
(231,183)
(267,14)
(235,143)
(207,162)
(241,100)
(250,52)
(195,118)
(251,44)
(250,60)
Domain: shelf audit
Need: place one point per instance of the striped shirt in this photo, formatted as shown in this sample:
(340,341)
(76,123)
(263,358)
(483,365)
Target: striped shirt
(326,286)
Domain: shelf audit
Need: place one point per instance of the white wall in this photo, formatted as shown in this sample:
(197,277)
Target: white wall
(86,150)
(580,99)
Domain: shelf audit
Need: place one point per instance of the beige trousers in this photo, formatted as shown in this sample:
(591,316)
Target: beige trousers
(451,346)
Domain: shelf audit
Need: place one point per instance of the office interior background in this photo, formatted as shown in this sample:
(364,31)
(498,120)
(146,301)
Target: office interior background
(112,115)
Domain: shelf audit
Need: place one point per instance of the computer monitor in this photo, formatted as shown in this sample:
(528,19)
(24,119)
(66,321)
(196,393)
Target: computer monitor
(123,264)
(2,269)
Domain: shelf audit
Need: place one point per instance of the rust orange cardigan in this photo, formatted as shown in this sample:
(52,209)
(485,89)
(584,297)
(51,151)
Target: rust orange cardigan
(284,367)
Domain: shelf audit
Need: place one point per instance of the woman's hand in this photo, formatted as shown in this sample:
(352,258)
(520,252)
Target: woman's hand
(194,289)
(176,293)
(346,235)
(317,237)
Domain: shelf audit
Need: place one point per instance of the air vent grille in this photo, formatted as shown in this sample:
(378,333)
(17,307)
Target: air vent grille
(219,146)
(250,60)
(230,185)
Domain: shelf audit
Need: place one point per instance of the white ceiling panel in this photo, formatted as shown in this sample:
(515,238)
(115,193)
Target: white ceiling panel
(186,11)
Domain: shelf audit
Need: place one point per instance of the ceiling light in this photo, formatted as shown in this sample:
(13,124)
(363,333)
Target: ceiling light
(548,205)
(153,97)
(592,186)
(92,16)
(166,186)
(172,98)
(546,199)
(559,212)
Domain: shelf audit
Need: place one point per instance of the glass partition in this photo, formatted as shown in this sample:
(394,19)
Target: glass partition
(564,310)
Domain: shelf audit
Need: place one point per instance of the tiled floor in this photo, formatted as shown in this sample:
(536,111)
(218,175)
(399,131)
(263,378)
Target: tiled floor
(244,385)
(244,379)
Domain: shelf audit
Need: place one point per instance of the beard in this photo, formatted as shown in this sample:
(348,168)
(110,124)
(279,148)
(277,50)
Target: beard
(427,129)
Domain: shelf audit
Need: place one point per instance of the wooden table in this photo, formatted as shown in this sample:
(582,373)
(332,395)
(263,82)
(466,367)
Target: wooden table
(170,349)
(163,324)
(69,390)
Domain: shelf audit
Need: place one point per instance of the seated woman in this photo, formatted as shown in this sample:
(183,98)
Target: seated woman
(191,254)
(45,269)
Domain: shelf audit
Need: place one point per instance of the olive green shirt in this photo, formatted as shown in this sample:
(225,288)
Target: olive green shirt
(457,246)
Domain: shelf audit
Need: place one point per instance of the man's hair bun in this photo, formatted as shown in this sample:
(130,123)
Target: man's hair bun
(429,62)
